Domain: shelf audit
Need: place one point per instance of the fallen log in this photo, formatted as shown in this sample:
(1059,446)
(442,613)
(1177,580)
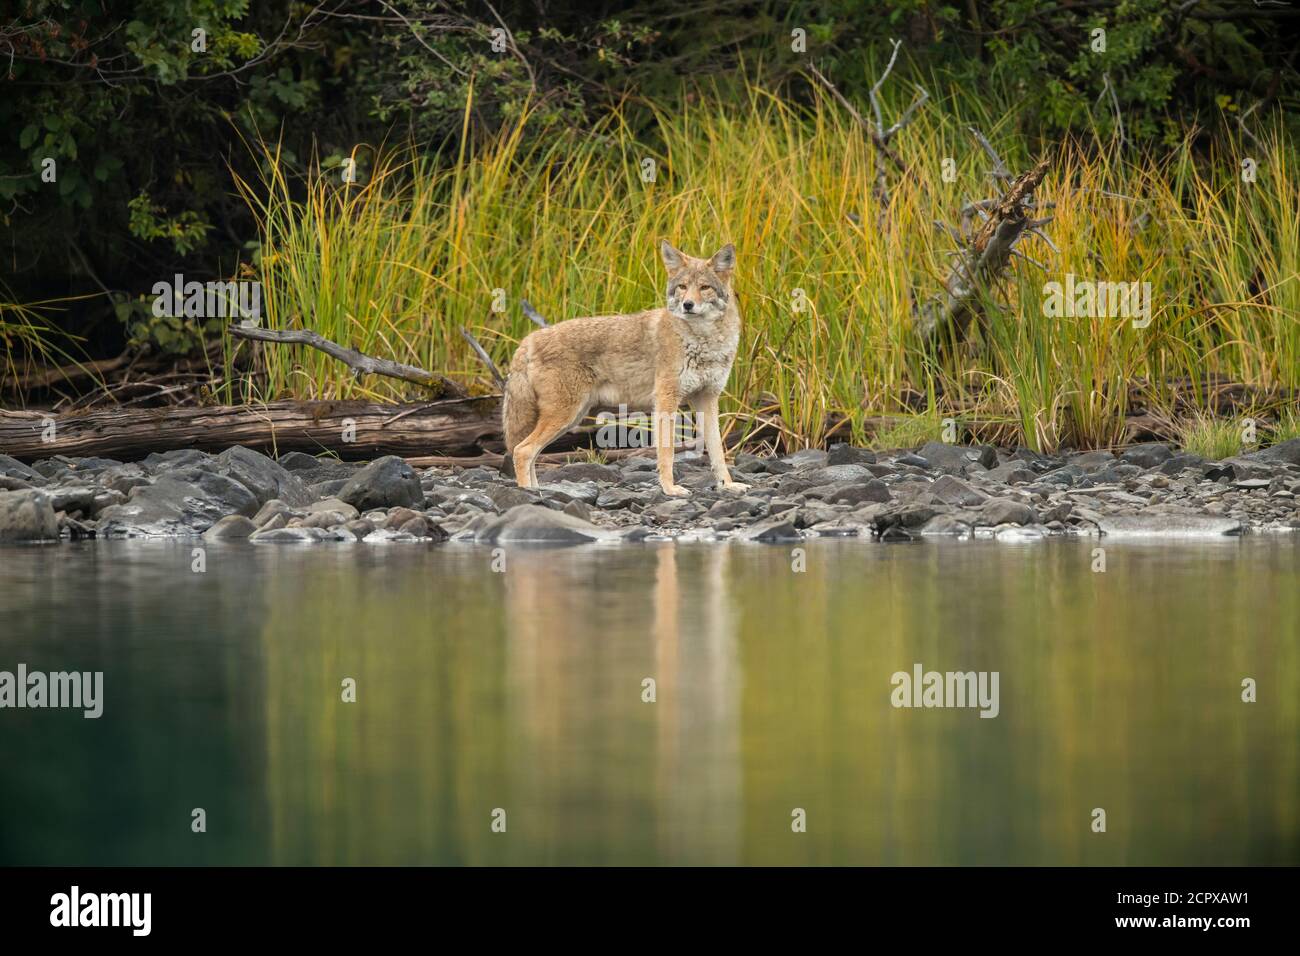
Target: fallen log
(353,430)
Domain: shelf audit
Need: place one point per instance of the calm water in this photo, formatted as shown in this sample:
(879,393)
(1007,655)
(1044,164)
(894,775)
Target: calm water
(522,690)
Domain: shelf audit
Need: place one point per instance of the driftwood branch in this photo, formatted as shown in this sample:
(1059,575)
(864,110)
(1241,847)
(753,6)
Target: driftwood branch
(484,358)
(358,362)
(532,314)
(983,259)
(873,134)
(879,135)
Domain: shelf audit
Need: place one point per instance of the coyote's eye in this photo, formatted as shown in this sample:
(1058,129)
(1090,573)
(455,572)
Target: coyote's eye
(707,292)
(679,288)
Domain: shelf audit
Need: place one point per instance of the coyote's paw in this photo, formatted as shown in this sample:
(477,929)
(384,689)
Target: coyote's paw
(736,486)
(675,491)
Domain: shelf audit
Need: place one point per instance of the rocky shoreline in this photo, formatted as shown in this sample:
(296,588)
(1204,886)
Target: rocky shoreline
(937,490)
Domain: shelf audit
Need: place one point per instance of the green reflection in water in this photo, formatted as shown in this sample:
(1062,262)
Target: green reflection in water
(523,691)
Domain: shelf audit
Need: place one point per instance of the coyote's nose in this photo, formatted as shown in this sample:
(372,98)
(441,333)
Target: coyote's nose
(688,305)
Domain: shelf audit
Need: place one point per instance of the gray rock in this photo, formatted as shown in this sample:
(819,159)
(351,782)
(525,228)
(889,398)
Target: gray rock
(328,488)
(58,467)
(946,525)
(157,462)
(74,529)
(480,474)
(949,490)
(812,514)
(1165,525)
(904,515)
(998,511)
(1011,532)
(360,527)
(849,455)
(26,515)
(1011,473)
(1287,452)
(330,470)
(674,511)
(850,492)
(1057,511)
(336,505)
(748,464)
(617,498)
(278,520)
(535,524)
(397,517)
(263,476)
(231,527)
(323,519)
(104,498)
(578,509)
(771,531)
(269,510)
(13,468)
(957,459)
(384,483)
(1176,464)
(565,491)
(806,478)
(185,501)
(736,507)
(416,527)
(806,458)
(1066,475)
(291,536)
(1091,461)
(298,461)
(73,498)
(1150,455)
(580,471)
(1242,467)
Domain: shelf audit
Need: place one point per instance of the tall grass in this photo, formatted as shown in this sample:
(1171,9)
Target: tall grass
(29,341)
(397,263)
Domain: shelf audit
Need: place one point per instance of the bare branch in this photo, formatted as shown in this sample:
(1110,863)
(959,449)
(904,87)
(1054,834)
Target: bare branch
(484,358)
(359,363)
(1000,170)
(531,314)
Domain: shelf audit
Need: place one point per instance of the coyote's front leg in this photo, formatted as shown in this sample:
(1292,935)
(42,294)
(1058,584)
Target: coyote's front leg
(706,413)
(666,403)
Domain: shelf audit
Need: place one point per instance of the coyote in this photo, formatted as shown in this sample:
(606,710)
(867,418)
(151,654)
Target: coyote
(659,358)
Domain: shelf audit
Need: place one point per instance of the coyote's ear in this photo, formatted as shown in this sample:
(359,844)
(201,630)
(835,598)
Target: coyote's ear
(673,259)
(723,261)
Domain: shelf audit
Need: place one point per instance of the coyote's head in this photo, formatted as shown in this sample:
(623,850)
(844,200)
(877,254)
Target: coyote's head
(698,289)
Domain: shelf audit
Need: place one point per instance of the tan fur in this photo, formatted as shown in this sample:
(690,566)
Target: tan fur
(655,359)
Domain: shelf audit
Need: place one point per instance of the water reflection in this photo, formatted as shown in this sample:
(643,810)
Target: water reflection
(523,690)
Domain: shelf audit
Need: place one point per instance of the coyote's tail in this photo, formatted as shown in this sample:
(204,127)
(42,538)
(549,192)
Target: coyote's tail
(518,406)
